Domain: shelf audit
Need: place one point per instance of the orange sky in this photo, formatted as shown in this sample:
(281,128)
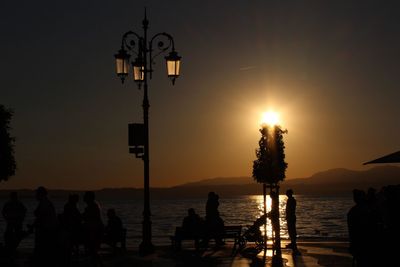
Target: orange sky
(329,69)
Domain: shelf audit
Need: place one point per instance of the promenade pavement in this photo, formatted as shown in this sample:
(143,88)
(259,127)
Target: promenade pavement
(313,254)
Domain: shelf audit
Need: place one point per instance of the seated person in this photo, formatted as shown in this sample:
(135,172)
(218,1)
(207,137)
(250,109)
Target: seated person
(192,224)
(192,227)
(114,231)
(254,233)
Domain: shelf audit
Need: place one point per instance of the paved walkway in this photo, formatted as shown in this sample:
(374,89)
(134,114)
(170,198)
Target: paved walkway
(313,254)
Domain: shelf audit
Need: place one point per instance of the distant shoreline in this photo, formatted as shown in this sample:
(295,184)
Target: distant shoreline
(137,194)
(334,182)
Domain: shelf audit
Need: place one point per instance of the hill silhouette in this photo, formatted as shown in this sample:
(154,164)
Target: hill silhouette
(338,181)
(220,181)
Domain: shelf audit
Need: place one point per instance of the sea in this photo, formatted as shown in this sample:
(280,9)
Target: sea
(319,217)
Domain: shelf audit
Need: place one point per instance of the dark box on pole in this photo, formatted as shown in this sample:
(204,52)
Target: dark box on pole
(136,134)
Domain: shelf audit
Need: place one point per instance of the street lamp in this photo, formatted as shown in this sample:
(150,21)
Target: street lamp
(141,47)
(122,63)
(173,65)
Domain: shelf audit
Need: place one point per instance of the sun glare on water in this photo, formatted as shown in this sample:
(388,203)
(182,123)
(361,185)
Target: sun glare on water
(270,118)
(282,206)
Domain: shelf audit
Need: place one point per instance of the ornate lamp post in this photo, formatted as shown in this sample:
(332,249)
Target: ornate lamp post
(141,47)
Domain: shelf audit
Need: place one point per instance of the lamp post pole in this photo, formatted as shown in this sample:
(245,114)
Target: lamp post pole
(146,247)
(134,44)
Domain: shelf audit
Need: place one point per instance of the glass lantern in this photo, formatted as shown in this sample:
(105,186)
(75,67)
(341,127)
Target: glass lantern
(122,64)
(173,65)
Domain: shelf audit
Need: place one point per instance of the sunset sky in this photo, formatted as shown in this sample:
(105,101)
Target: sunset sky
(329,68)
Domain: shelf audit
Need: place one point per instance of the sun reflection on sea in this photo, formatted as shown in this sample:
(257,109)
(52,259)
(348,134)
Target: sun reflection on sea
(258,199)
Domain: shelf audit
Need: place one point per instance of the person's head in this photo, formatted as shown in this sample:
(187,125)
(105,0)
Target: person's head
(41,193)
(73,198)
(111,213)
(359,196)
(191,212)
(89,197)
(14,196)
(212,196)
(289,192)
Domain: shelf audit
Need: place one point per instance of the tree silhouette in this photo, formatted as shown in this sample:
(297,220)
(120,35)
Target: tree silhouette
(270,165)
(7,160)
(269,168)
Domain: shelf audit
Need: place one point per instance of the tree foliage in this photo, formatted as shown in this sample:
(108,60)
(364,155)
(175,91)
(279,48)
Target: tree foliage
(7,160)
(270,165)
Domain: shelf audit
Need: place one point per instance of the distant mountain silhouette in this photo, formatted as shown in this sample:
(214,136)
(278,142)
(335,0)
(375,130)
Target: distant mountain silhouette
(220,181)
(331,182)
(377,175)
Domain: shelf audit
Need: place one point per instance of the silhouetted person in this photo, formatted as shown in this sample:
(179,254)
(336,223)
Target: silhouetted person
(291,220)
(254,234)
(71,222)
(193,226)
(392,222)
(192,223)
(274,214)
(358,224)
(92,224)
(114,230)
(375,228)
(214,223)
(45,227)
(212,205)
(72,218)
(14,214)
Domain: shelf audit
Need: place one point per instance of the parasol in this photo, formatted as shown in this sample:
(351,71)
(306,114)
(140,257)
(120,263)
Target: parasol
(391,158)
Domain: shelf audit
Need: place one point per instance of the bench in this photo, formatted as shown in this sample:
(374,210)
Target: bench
(232,232)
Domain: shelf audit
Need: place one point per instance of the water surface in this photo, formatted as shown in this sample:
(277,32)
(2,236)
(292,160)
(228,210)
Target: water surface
(323,217)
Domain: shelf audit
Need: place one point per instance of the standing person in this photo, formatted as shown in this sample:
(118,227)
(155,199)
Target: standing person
(291,220)
(358,225)
(14,214)
(71,221)
(45,227)
(212,205)
(375,229)
(92,224)
(214,223)
(274,214)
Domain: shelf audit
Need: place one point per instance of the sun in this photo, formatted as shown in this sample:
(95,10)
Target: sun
(270,118)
